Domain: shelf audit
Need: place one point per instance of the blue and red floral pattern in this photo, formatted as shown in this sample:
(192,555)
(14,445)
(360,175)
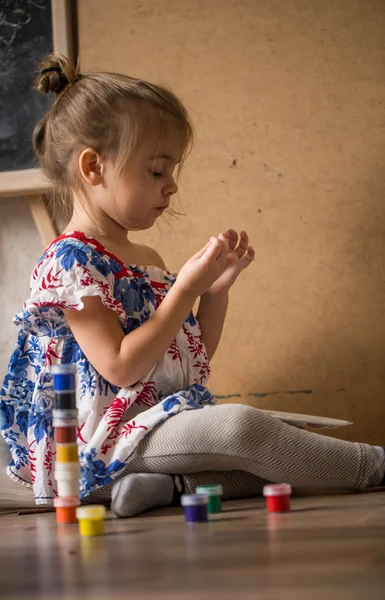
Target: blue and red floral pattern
(112,421)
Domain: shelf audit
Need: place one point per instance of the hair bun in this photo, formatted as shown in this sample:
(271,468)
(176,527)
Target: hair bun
(56,74)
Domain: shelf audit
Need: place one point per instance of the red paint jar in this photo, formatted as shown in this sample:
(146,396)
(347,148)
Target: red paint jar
(277,497)
(65,435)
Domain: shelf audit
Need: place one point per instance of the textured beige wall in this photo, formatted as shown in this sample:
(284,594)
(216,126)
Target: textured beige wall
(20,248)
(294,91)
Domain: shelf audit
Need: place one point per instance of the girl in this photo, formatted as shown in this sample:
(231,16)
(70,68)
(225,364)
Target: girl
(110,145)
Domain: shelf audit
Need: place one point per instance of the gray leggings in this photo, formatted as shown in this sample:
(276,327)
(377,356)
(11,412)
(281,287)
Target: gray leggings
(242,448)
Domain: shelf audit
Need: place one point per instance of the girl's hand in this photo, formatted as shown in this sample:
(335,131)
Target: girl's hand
(238,258)
(203,269)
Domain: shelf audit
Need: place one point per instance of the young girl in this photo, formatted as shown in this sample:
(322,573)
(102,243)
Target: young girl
(111,146)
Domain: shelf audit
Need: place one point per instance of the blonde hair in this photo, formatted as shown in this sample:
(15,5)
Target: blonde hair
(108,112)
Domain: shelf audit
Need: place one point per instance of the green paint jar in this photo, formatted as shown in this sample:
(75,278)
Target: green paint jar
(214,493)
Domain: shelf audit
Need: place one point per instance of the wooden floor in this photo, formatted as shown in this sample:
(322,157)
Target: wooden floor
(329,547)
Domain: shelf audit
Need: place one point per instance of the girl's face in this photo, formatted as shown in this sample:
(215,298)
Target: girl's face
(138,197)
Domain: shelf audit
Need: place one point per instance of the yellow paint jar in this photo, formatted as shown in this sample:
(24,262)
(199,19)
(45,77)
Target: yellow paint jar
(67,453)
(91,519)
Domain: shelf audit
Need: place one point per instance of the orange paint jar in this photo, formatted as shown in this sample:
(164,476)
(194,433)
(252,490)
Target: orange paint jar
(66,509)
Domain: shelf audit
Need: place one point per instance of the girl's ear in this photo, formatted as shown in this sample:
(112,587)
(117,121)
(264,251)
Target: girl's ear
(90,166)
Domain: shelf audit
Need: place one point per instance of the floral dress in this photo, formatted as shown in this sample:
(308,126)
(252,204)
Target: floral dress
(111,420)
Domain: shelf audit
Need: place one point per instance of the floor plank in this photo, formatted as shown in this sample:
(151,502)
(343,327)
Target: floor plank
(326,546)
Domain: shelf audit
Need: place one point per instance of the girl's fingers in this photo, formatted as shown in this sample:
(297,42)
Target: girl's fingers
(224,239)
(219,247)
(213,249)
(202,251)
(225,248)
(213,242)
(231,237)
(243,245)
(248,258)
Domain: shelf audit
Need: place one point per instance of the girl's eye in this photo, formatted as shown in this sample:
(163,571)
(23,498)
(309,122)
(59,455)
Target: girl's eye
(155,174)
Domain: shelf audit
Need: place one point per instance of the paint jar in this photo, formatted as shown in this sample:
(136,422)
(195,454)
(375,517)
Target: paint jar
(66,509)
(67,453)
(195,507)
(64,401)
(65,435)
(70,414)
(277,497)
(67,487)
(214,493)
(67,476)
(64,378)
(91,519)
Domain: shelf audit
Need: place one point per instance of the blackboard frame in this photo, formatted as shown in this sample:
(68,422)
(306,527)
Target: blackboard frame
(31,183)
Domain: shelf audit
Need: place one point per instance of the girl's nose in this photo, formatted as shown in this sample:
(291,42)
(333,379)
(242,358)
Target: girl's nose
(171,188)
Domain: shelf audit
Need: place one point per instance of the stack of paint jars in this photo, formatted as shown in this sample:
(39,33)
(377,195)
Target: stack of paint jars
(67,469)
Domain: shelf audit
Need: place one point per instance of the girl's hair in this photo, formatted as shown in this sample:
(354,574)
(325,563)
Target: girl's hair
(108,112)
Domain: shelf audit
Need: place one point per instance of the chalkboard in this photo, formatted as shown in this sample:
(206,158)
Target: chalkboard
(25,37)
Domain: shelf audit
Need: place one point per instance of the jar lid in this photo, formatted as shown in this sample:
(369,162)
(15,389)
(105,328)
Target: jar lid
(93,511)
(66,445)
(279,489)
(63,369)
(66,501)
(209,490)
(67,467)
(194,499)
(64,413)
(57,423)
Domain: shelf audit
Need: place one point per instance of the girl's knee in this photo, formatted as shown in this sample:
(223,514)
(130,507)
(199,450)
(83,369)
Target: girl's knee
(240,419)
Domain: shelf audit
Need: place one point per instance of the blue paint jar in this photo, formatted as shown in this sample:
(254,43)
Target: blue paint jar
(195,507)
(64,387)
(64,378)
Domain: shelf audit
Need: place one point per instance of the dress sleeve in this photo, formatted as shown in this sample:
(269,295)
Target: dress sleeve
(67,272)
